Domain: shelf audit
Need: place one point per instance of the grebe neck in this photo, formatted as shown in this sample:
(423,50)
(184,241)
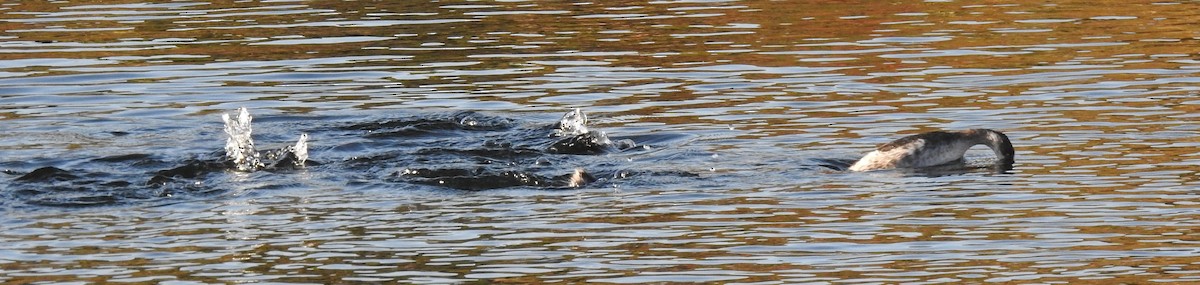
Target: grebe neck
(998,142)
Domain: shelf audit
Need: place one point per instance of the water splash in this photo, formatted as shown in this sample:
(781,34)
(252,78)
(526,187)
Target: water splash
(580,140)
(573,123)
(239,147)
(300,150)
(289,157)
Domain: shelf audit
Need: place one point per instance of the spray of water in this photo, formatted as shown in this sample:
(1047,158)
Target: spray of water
(300,150)
(574,123)
(239,147)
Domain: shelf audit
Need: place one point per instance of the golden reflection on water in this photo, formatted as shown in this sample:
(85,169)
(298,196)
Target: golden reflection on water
(1098,95)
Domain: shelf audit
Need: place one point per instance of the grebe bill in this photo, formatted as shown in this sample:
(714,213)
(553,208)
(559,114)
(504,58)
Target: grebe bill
(936,148)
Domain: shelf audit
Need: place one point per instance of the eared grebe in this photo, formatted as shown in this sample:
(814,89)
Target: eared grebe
(936,148)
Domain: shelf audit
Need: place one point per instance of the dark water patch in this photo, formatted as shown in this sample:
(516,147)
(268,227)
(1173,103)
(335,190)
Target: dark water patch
(488,152)
(191,169)
(457,150)
(133,157)
(84,186)
(472,151)
(47,174)
(121,179)
(76,201)
(53,186)
(432,125)
(485,179)
(591,143)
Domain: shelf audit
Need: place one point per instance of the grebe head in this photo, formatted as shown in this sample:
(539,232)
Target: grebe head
(999,144)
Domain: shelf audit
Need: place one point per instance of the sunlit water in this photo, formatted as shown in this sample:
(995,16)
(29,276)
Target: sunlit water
(725,118)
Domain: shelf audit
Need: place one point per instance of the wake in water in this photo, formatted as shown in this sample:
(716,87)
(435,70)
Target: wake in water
(461,150)
(510,156)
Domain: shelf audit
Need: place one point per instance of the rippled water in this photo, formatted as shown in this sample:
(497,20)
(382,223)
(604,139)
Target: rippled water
(734,107)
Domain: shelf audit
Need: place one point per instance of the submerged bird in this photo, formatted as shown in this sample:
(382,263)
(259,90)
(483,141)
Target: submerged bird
(936,148)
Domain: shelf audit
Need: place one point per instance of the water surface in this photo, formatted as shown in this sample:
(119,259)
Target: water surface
(734,105)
